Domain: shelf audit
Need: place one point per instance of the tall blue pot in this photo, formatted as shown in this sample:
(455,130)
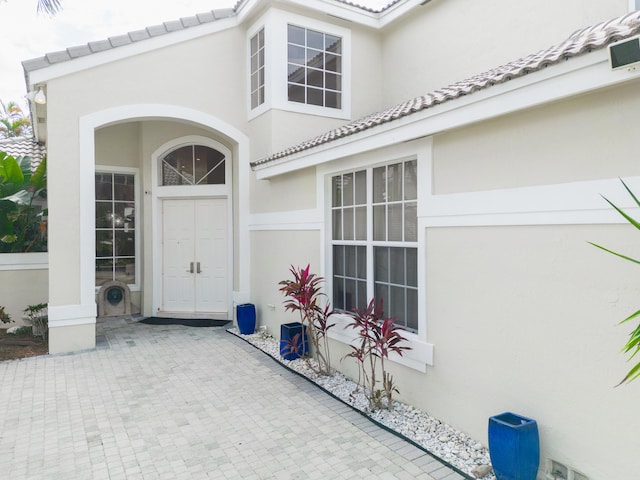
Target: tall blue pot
(514,447)
(246,316)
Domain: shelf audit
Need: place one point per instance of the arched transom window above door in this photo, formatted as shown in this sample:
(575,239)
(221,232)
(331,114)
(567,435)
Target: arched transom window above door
(193,165)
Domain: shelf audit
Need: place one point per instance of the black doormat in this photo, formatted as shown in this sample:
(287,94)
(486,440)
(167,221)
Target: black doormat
(189,322)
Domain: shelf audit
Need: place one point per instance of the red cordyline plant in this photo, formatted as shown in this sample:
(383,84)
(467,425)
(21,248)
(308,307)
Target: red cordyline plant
(377,337)
(303,295)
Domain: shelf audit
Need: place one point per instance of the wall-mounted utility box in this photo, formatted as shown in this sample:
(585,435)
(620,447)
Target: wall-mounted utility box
(625,54)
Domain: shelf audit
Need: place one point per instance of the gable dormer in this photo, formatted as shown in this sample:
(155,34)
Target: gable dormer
(298,64)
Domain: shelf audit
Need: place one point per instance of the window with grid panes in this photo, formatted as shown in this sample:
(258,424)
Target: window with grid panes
(374,240)
(257,69)
(314,61)
(115,228)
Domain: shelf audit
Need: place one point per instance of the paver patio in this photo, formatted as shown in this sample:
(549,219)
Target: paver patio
(175,402)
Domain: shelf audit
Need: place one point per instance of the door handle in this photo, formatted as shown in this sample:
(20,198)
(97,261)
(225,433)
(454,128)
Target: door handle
(190,268)
(198,267)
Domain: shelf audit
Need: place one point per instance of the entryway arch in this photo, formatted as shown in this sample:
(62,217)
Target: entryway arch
(74,306)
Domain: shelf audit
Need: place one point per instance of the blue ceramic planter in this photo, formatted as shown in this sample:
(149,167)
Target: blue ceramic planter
(246,316)
(293,340)
(514,447)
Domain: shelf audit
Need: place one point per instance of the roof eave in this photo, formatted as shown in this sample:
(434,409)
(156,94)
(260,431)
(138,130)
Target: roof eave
(576,76)
(340,9)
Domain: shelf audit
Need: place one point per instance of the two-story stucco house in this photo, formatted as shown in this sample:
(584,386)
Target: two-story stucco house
(446,156)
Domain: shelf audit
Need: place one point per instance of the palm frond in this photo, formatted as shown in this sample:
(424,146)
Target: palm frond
(49,7)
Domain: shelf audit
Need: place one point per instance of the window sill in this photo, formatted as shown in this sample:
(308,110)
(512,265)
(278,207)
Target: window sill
(24,261)
(420,355)
(303,108)
(340,113)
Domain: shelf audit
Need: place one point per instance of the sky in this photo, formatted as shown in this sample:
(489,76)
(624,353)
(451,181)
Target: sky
(25,34)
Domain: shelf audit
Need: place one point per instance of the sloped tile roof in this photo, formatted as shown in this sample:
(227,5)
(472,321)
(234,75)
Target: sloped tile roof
(581,42)
(127,39)
(24,147)
(165,28)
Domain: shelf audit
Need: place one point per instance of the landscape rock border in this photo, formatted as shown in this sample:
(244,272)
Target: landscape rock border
(463,454)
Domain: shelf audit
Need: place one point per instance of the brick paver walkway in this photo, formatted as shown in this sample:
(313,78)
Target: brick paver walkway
(175,402)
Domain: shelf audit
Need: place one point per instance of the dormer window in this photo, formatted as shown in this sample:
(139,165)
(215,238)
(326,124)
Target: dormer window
(314,62)
(298,64)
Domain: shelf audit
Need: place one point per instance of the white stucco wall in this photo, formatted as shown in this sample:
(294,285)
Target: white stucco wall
(524,319)
(445,41)
(582,138)
(118,145)
(266,195)
(273,253)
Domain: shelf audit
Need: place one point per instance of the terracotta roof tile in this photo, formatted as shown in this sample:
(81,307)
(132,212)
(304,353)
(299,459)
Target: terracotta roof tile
(175,25)
(24,147)
(98,46)
(119,40)
(580,42)
(205,17)
(381,5)
(190,21)
(80,51)
(139,35)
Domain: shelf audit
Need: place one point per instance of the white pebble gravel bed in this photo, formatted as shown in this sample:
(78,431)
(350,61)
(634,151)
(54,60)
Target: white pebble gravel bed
(436,437)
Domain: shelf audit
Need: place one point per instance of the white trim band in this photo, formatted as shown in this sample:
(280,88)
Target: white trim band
(24,261)
(70,315)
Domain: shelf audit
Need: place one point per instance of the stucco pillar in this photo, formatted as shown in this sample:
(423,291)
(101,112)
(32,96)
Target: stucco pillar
(71,198)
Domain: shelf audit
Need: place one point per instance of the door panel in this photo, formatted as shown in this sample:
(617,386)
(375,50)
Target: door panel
(195,255)
(211,254)
(178,247)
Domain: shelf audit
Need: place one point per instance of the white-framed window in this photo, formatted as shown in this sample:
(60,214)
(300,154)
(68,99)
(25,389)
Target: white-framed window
(193,165)
(314,67)
(257,62)
(305,66)
(117,242)
(374,240)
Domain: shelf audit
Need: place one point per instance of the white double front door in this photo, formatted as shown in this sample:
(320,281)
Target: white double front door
(194,255)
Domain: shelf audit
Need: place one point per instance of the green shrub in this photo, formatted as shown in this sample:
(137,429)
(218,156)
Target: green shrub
(633,344)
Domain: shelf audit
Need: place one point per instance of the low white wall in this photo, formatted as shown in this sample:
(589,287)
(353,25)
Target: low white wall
(20,288)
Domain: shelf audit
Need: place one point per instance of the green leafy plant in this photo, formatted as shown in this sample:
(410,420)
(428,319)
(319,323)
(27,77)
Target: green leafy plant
(23,225)
(22,332)
(4,316)
(39,319)
(304,294)
(377,337)
(633,344)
